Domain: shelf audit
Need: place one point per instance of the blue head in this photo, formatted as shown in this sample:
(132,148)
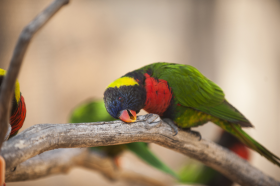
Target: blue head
(124,98)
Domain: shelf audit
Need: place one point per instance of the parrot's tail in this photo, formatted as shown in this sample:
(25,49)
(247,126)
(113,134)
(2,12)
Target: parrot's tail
(236,130)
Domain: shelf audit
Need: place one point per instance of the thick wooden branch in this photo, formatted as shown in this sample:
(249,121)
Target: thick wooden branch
(150,128)
(7,87)
(61,161)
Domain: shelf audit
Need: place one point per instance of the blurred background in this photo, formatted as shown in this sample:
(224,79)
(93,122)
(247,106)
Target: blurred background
(90,43)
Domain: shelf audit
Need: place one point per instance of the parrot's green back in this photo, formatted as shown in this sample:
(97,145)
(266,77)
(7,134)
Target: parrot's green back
(195,92)
(197,100)
(94,111)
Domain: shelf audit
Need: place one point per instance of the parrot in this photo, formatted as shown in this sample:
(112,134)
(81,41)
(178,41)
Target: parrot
(197,173)
(181,94)
(18,112)
(94,110)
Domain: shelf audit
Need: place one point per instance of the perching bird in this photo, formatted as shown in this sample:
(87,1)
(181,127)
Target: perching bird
(18,111)
(182,94)
(197,173)
(17,118)
(94,111)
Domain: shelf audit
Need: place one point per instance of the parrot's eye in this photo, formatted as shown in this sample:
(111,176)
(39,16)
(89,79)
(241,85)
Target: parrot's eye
(121,99)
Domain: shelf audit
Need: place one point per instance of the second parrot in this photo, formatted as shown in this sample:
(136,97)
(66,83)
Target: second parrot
(94,111)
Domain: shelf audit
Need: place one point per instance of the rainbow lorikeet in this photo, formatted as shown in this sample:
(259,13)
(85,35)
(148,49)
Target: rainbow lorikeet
(17,118)
(182,94)
(197,173)
(94,111)
(18,112)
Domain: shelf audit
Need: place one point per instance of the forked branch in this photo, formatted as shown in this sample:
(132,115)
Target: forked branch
(43,137)
(149,128)
(61,161)
(7,86)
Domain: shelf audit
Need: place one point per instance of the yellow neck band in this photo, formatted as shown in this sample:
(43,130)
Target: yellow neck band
(17,88)
(123,81)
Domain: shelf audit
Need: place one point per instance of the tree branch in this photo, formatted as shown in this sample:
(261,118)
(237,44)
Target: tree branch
(7,87)
(61,161)
(150,128)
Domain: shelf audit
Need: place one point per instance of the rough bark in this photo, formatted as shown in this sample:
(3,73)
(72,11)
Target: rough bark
(61,161)
(150,128)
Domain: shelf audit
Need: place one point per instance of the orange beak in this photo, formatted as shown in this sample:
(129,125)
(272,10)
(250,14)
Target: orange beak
(128,116)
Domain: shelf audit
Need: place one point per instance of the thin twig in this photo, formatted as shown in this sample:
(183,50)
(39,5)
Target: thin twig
(150,128)
(7,87)
(61,161)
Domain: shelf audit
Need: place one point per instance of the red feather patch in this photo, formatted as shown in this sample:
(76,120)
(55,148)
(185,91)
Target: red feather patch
(18,117)
(158,95)
(241,150)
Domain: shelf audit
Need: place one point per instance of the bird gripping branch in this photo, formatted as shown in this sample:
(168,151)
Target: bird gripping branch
(182,94)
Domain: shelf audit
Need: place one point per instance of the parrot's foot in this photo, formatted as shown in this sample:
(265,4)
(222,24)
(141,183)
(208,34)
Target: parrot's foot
(171,124)
(152,118)
(195,133)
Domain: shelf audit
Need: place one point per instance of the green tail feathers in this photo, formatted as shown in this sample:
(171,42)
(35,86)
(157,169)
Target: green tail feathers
(196,173)
(236,130)
(142,151)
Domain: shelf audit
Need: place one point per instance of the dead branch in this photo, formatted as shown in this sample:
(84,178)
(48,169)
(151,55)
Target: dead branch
(61,161)
(44,137)
(150,128)
(7,87)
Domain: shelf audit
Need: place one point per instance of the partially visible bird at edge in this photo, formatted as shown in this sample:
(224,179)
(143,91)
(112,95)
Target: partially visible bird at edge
(18,114)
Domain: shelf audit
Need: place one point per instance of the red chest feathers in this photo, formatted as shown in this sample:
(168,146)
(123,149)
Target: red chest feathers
(18,117)
(158,95)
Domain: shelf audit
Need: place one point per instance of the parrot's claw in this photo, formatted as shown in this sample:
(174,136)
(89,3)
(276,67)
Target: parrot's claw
(171,124)
(152,118)
(195,133)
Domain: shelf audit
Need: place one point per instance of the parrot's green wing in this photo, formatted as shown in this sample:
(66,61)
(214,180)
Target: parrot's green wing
(94,111)
(192,89)
(142,151)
